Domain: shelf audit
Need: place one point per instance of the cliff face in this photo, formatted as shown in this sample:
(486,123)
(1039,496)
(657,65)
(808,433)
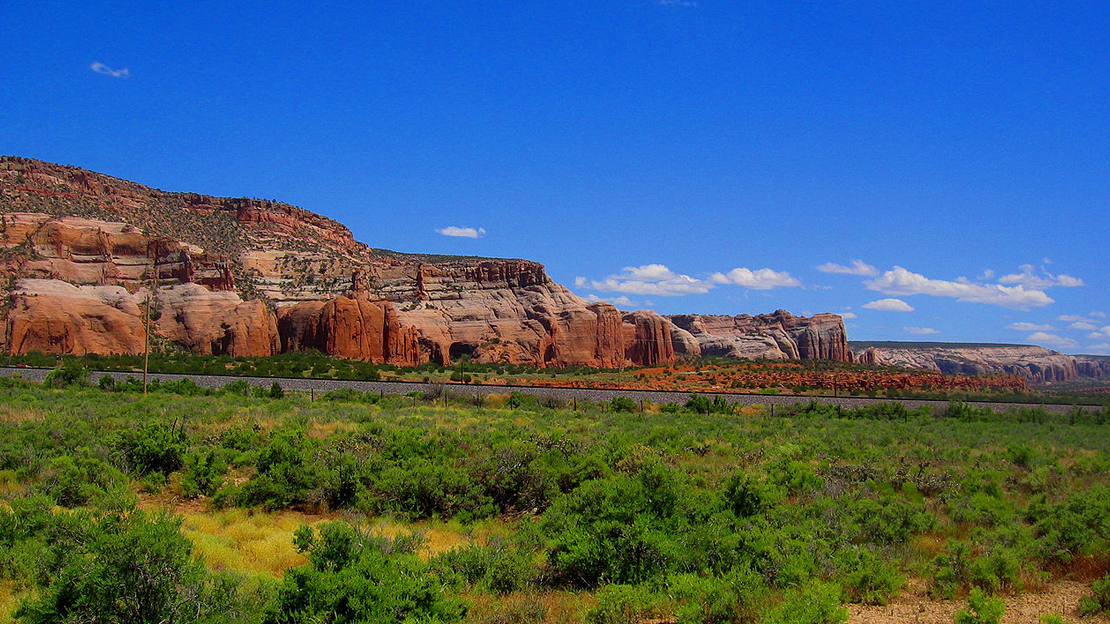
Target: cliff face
(85,253)
(1033,363)
(780,335)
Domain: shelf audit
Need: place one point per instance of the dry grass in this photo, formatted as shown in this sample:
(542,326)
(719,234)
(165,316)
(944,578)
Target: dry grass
(558,607)
(10,596)
(238,540)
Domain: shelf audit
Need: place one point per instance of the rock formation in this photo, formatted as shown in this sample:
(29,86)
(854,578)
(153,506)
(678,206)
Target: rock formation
(83,252)
(780,335)
(1036,364)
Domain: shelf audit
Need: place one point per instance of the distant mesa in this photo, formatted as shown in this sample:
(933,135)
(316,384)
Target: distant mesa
(1036,364)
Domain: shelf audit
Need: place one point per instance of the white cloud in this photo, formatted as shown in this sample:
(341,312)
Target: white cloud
(1040,282)
(1051,340)
(1084,325)
(101,68)
(920,331)
(649,279)
(1097,314)
(849,315)
(857,267)
(986,275)
(1070,318)
(619,300)
(1103,348)
(899,281)
(462,232)
(1104,332)
(889,305)
(760,279)
(1029,327)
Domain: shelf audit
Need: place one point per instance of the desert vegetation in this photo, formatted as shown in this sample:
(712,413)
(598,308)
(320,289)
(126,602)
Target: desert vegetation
(262,505)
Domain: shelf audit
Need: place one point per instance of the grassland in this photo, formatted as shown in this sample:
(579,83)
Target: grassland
(285,509)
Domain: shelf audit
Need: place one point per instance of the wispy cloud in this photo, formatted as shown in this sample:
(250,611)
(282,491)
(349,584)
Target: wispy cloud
(685,3)
(1052,340)
(899,281)
(848,315)
(648,279)
(101,68)
(856,267)
(1029,327)
(1083,325)
(462,232)
(760,279)
(619,300)
(1102,348)
(889,305)
(921,331)
(1029,279)
(1097,314)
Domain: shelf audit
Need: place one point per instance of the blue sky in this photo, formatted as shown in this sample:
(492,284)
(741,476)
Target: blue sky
(934,171)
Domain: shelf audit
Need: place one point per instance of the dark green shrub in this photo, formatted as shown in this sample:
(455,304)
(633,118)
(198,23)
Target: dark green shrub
(623,404)
(354,577)
(153,447)
(70,373)
(981,609)
(203,473)
(132,568)
(1099,600)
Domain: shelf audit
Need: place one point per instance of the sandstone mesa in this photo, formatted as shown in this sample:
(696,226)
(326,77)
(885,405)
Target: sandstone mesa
(249,277)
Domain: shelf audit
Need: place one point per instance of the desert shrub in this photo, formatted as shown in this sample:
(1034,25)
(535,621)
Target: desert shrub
(130,568)
(203,472)
(70,373)
(286,472)
(1099,599)
(355,577)
(745,496)
(623,404)
(951,570)
(867,578)
(981,609)
(152,447)
(816,602)
(276,391)
(731,597)
(623,604)
(497,567)
(81,479)
(1080,524)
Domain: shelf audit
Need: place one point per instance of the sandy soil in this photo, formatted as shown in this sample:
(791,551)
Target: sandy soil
(1060,598)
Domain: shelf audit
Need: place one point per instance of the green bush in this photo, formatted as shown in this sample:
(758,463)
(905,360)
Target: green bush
(623,604)
(130,568)
(813,603)
(1099,600)
(981,609)
(355,577)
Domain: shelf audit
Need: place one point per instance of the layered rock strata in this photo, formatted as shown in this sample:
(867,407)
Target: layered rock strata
(1036,364)
(84,254)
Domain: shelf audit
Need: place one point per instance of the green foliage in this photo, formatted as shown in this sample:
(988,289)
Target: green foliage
(355,577)
(1099,599)
(70,373)
(203,473)
(981,609)
(129,568)
(623,604)
(815,602)
(152,447)
(623,404)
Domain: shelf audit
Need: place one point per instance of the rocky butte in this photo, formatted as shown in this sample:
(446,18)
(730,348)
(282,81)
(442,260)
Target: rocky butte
(83,254)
